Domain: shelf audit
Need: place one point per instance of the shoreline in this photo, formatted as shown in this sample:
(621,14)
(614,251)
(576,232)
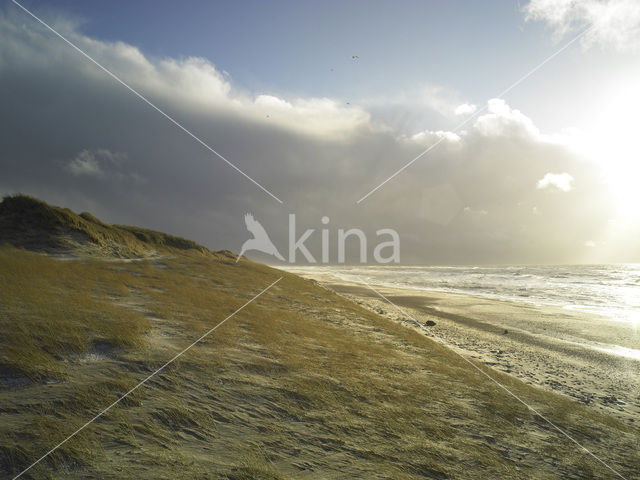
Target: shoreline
(552,348)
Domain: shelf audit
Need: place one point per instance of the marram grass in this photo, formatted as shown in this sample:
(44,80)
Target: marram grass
(300,384)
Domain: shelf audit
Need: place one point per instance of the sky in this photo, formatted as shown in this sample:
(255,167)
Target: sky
(530,131)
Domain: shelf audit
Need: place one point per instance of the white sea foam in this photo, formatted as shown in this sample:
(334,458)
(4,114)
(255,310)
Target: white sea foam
(609,290)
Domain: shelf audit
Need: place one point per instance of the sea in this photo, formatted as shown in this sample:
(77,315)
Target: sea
(609,290)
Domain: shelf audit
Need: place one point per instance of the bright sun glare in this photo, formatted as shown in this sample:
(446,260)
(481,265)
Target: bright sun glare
(616,147)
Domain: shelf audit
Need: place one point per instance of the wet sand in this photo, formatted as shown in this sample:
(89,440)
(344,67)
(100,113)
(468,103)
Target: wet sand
(561,350)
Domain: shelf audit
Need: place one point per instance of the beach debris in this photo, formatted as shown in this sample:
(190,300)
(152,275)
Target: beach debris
(380,311)
(430,323)
(505,331)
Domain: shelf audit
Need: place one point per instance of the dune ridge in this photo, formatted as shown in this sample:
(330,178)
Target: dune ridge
(302,383)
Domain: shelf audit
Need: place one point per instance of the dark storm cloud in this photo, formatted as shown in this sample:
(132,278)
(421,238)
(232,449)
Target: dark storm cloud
(72,135)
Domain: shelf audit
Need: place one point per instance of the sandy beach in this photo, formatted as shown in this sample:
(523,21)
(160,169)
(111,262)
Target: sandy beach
(585,356)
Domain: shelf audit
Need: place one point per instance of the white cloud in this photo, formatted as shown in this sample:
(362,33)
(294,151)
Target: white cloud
(195,83)
(426,97)
(558,181)
(98,163)
(437,98)
(179,85)
(613,23)
(465,109)
(429,137)
(501,120)
(85,163)
(317,154)
(315,116)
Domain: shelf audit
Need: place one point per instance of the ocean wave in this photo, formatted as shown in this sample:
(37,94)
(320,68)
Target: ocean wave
(605,289)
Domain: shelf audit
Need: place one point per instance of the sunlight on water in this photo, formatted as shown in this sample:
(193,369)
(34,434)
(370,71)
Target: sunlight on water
(621,351)
(609,290)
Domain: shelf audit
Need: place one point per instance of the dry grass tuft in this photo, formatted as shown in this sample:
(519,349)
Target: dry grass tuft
(300,384)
